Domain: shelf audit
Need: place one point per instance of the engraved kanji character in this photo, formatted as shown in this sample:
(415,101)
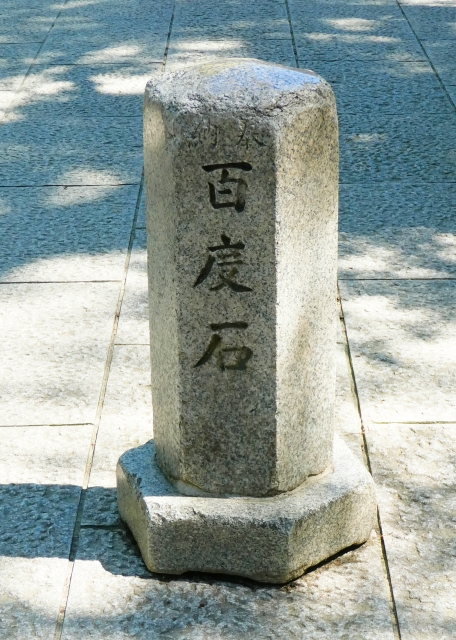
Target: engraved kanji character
(228,190)
(228,358)
(226,255)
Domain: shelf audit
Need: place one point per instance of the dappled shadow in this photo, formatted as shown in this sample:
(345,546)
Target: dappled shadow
(71,164)
(414,469)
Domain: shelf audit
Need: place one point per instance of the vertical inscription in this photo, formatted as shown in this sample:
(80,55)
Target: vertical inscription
(227,189)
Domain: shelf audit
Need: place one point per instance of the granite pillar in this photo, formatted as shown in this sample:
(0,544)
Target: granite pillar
(241,166)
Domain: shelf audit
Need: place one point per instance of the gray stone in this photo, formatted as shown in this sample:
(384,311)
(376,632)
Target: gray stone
(15,59)
(394,87)
(133,325)
(65,233)
(59,91)
(397,230)
(71,151)
(413,466)
(402,336)
(269,539)
(53,362)
(371,144)
(242,356)
(241,163)
(113,596)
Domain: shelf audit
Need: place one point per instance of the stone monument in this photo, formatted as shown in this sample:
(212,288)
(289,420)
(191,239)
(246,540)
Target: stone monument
(244,475)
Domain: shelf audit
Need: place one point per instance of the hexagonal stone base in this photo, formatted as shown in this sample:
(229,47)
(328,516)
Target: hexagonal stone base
(272,539)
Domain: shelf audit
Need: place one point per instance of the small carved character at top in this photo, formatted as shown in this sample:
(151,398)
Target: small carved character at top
(226,257)
(228,189)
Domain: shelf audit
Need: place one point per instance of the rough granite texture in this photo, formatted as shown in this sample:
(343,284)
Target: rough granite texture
(413,466)
(113,596)
(268,539)
(241,166)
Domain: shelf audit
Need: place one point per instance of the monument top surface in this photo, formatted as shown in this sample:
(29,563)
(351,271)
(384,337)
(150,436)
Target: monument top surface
(234,83)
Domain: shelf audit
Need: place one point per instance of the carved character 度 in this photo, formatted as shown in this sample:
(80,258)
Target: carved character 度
(226,257)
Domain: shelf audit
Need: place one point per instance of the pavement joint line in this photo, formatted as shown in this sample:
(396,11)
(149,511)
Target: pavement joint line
(369,183)
(418,422)
(293,41)
(78,520)
(168,38)
(27,73)
(393,608)
(93,64)
(46,424)
(443,279)
(57,281)
(399,4)
(61,184)
(132,344)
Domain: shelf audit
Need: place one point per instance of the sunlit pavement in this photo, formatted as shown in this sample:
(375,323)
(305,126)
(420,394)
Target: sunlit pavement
(75,390)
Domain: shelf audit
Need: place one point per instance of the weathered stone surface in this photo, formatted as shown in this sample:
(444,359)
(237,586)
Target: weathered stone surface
(65,233)
(53,363)
(126,422)
(397,230)
(70,151)
(413,466)
(59,91)
(402,336)
(133,325)
(242,355)
(114,596)
(269,539)
(41,469)
(370,146)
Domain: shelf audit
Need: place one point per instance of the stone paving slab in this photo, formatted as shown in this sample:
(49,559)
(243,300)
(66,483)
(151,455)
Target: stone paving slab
(41,470)
(89,151)
(237,20)
(62,50)
(15,59)
(396,230)
(371,146)
(134,318)
(442,54)
(18,25)
(413,466)
(430,22)
(402,335)
(60,91)
(65,234)
(6,98)
(113,596)
(387,88)
(341,31)
(188,52)
(54,346)
(126,422)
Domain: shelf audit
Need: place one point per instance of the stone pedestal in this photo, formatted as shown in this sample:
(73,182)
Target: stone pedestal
(241,165)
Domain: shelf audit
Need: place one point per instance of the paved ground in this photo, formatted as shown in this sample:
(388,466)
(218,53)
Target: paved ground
(74,372)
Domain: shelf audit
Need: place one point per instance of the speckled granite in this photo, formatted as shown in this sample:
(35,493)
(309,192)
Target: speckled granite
(113,596)
(268,539)
(241,164)
(413,466)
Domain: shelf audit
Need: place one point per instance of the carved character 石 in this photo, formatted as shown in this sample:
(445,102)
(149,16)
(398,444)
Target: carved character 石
(228,188)
(227,357)
(226,257)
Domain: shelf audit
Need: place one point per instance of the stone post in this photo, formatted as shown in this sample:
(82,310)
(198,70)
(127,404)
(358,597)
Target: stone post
(241,166)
